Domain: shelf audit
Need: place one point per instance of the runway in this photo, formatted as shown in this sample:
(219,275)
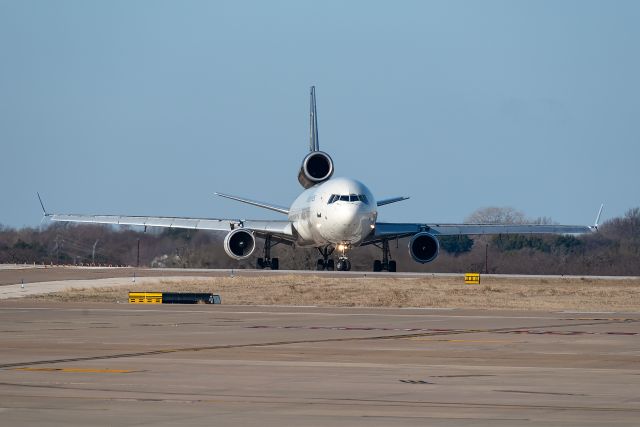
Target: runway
(119,364)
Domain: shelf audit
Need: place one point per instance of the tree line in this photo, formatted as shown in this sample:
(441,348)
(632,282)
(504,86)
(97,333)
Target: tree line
(613,250)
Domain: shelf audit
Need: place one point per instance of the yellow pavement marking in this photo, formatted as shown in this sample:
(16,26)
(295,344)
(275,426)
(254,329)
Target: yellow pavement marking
(77,370)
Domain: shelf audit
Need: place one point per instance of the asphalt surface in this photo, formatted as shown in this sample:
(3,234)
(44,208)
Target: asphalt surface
(126,364)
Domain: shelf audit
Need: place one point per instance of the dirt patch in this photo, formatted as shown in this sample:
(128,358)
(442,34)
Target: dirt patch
(493,293)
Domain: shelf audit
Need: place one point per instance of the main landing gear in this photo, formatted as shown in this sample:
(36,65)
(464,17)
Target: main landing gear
(325,263)
(267,261)
(385,264)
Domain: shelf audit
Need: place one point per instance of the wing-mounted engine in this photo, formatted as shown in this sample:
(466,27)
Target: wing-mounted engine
(316,167)
(239,243)
(424,247)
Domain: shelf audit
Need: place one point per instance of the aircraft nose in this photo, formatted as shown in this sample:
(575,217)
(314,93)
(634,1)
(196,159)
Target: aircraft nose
(350,218)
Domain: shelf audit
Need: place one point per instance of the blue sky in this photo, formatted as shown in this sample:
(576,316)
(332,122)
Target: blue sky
(148,107)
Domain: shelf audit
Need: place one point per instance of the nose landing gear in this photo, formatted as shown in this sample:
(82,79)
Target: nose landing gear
(325,263)
(343,264)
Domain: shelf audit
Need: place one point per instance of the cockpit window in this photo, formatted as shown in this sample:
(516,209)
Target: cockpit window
(348,198)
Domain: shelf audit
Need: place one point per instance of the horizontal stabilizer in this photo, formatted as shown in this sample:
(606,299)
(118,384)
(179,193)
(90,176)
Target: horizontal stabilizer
(391,200)
(264,205)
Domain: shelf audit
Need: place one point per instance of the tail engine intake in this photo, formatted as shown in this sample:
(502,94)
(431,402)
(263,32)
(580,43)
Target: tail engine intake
(424,247)
(316,167)
(239,244)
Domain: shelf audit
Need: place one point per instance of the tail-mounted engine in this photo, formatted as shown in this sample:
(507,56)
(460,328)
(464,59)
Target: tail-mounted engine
(316,167)
(424,247)
(239,244)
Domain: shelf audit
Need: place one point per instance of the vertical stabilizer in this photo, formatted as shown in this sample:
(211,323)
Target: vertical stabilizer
(314,145)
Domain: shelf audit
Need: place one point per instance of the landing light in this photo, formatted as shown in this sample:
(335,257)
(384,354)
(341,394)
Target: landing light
(372,226)
(341,247)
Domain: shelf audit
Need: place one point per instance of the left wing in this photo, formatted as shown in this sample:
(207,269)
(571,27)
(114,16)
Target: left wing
(389,230)
(385,230)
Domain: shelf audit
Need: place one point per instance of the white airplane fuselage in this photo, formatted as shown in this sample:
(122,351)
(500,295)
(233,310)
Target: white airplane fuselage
(340,211)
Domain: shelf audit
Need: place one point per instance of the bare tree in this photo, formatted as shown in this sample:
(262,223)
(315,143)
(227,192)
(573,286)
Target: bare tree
(496,215)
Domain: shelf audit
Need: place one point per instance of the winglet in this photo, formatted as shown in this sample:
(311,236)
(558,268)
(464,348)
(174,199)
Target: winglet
(44,211)
(314,145)
(597,222)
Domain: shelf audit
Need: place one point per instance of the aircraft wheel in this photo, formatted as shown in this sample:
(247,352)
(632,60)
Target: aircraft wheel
(377,265)
(392,266)
(330,265)
(347,265)
(320,265)
(339,266)
(275,264)
(260,264)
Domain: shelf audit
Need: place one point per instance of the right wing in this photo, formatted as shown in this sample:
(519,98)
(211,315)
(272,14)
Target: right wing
(281,229)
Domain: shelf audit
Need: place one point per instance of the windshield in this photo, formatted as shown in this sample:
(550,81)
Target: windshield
(348,198)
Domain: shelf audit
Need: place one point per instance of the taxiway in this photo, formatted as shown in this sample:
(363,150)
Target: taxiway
(119,364)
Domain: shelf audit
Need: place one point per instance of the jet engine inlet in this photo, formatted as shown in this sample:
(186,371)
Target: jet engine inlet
(316,167)
(424,247)
(239,244)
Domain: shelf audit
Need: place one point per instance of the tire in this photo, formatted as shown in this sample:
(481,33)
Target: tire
(339,266)
(260,264)
(331,265)
(392,266)
(275,264)
(377,265)
(347,265)
(320,265)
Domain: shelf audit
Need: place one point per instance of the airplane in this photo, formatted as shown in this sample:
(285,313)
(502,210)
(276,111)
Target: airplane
(330,214)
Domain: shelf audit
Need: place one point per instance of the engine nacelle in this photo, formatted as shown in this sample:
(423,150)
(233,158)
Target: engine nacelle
(424,247)
(316,167)
(239,244)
